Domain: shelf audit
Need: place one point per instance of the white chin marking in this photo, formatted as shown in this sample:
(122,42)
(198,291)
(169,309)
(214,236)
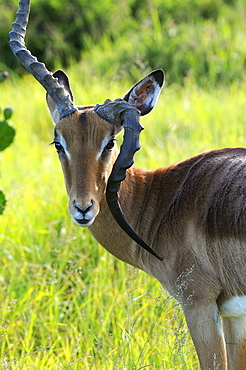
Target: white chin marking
(83,224)
(234,307)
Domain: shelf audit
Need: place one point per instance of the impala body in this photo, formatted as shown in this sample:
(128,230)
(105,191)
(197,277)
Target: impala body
(186,224)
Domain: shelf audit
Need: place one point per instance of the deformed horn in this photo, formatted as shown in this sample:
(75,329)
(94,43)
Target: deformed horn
(120,111)
(17,43)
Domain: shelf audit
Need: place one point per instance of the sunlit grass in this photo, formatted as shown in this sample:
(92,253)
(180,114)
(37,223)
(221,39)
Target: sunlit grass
(65,302)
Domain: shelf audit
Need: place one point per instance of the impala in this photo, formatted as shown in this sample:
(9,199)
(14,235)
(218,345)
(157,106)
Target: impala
(184,224)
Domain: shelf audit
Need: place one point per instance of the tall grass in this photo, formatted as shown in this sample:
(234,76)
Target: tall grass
(65,302)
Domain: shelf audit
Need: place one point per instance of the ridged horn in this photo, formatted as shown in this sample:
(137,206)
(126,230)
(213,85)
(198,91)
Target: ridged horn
(17,44)
(116,111)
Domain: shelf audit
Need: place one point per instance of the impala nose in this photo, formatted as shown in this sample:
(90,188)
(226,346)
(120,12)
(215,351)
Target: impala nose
(85,209)
(83,215)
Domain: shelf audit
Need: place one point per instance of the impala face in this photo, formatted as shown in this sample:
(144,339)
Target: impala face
(85,142)
(87,152)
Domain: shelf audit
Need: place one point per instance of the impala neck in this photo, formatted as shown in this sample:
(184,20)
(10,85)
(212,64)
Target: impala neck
(139,205)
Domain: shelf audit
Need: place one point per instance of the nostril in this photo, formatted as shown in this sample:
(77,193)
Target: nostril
(84,209)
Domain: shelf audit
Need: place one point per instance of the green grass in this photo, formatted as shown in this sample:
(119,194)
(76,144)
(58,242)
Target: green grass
(65,303)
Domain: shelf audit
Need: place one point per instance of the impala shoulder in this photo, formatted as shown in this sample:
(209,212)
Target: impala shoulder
(197,180)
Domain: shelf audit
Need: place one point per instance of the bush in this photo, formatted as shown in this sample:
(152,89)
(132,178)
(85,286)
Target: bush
(57,30)
(7,134)
(199,39)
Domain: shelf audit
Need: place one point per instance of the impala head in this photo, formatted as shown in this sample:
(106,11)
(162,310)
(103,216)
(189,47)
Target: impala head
(85,142)
(85,135)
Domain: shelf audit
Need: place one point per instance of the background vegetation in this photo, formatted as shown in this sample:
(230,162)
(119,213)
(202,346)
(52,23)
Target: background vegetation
(65,302)
(203,40)
(7,134)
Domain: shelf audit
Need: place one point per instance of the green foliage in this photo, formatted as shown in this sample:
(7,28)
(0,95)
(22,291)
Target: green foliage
(2,202)
(62,28)
(7,134)
(200,40)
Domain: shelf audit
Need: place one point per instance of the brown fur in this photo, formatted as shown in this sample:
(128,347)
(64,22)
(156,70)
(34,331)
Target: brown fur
(192,214)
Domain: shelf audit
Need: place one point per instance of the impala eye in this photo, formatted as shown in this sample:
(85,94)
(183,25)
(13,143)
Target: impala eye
(110,145)
(58,146)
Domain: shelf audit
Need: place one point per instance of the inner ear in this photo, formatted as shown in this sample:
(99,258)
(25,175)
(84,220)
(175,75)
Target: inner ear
(63,80)
(145,93)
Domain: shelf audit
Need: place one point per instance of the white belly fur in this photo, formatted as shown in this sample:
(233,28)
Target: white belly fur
(234,307)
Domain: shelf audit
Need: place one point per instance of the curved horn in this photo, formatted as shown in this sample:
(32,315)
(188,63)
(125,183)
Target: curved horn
(17,43)
(114,111)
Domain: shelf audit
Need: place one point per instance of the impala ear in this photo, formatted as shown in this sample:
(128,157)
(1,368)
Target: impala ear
(63,81)
(145,93)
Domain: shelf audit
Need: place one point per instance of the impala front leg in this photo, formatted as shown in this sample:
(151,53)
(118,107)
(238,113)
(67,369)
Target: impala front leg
(235,337)
(206,330)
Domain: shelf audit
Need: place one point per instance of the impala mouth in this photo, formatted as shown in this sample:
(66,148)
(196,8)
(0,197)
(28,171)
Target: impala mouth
(82,217)
(83,222)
